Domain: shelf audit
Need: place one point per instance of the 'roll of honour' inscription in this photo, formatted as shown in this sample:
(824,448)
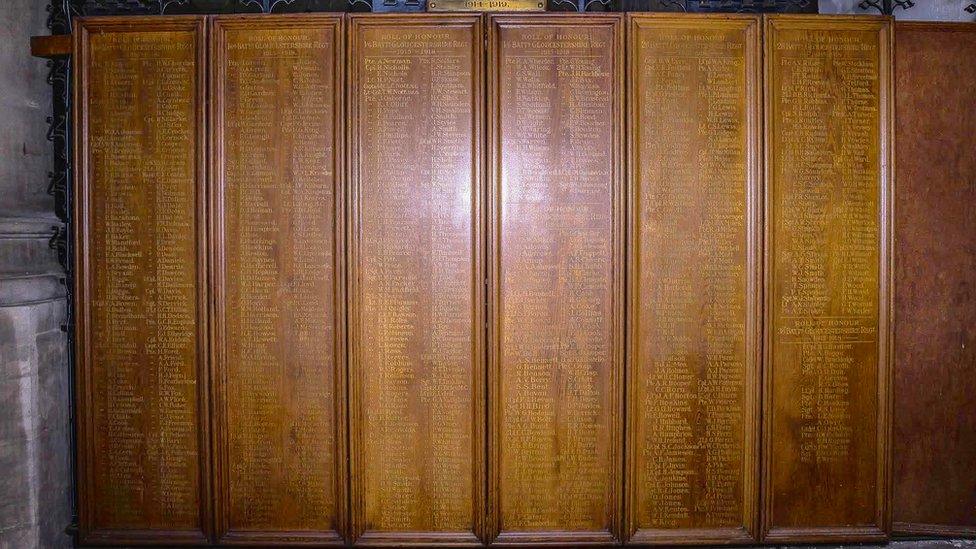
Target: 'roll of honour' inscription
(418,367)
(278,184)
(556,112)
(694,92)
(144,268)
(825,164)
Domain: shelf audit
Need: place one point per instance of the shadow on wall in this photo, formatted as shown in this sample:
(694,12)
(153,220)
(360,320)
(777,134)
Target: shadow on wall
(923,10)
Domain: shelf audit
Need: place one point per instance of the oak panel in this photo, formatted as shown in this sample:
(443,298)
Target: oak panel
(934,439)
(555,383)
(278,257)
(693,379)
(416,278)
(140,280)
(826,408)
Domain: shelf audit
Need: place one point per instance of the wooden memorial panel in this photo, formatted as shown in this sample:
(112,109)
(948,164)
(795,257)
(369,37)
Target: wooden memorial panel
(417,309)
(826,400)
(140,272)
(694,98)
(279,341)
(555,382)
(934,436)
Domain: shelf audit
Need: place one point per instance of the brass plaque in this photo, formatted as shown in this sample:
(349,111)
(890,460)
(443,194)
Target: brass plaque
(279,339)
(829,256)
(694,96)
(141,293)
(417,308)
(486,5)
(934,434)
(556,378)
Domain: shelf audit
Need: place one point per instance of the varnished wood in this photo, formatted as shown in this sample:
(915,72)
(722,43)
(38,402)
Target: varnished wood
(934,435)
(417,364)
(140,287)
(828,262)
(58,45)
(556,253)
(694,278)
(486,321)
(278,256)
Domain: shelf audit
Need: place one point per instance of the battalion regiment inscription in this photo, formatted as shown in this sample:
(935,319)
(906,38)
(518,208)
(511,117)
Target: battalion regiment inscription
(827,370)
(140,274)
(279,340)
(693,420)
(417,367)
(556,120)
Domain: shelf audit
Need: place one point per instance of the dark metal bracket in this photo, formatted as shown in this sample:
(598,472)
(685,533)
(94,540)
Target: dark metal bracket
(721,6)
(886,7)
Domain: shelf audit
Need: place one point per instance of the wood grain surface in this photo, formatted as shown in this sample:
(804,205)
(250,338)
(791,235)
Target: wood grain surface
(826,403)
(470,386)
(279,339)
(555,383)
(693,392)
(935,281)
(417,368)
(140,280)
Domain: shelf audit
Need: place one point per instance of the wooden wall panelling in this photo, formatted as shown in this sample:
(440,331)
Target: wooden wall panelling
(555,100)
(934,437)
(279,341)
(694,93)
(828,256)
(417,364)
(140,280)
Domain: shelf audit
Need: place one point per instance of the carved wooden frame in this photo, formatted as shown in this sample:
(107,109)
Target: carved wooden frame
(751,28)
(614,534)
(216,204)
(89,532)
(770,533)
(358,532)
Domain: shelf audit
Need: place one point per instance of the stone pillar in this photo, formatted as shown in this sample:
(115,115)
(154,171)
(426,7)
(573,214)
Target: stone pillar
(35,461)
(35,498)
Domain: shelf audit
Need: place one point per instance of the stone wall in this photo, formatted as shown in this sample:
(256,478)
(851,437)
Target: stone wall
(35,470)
(924,10)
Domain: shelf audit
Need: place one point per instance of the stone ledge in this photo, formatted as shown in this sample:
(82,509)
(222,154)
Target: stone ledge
(25,251)
(23,290)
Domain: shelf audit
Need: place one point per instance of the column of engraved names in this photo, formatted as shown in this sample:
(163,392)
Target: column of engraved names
(692,191)
(828,203)
(416,188)
(279,225)
(144,290)
(556,276)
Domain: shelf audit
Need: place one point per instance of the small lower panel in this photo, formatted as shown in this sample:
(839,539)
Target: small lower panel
(841,534)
